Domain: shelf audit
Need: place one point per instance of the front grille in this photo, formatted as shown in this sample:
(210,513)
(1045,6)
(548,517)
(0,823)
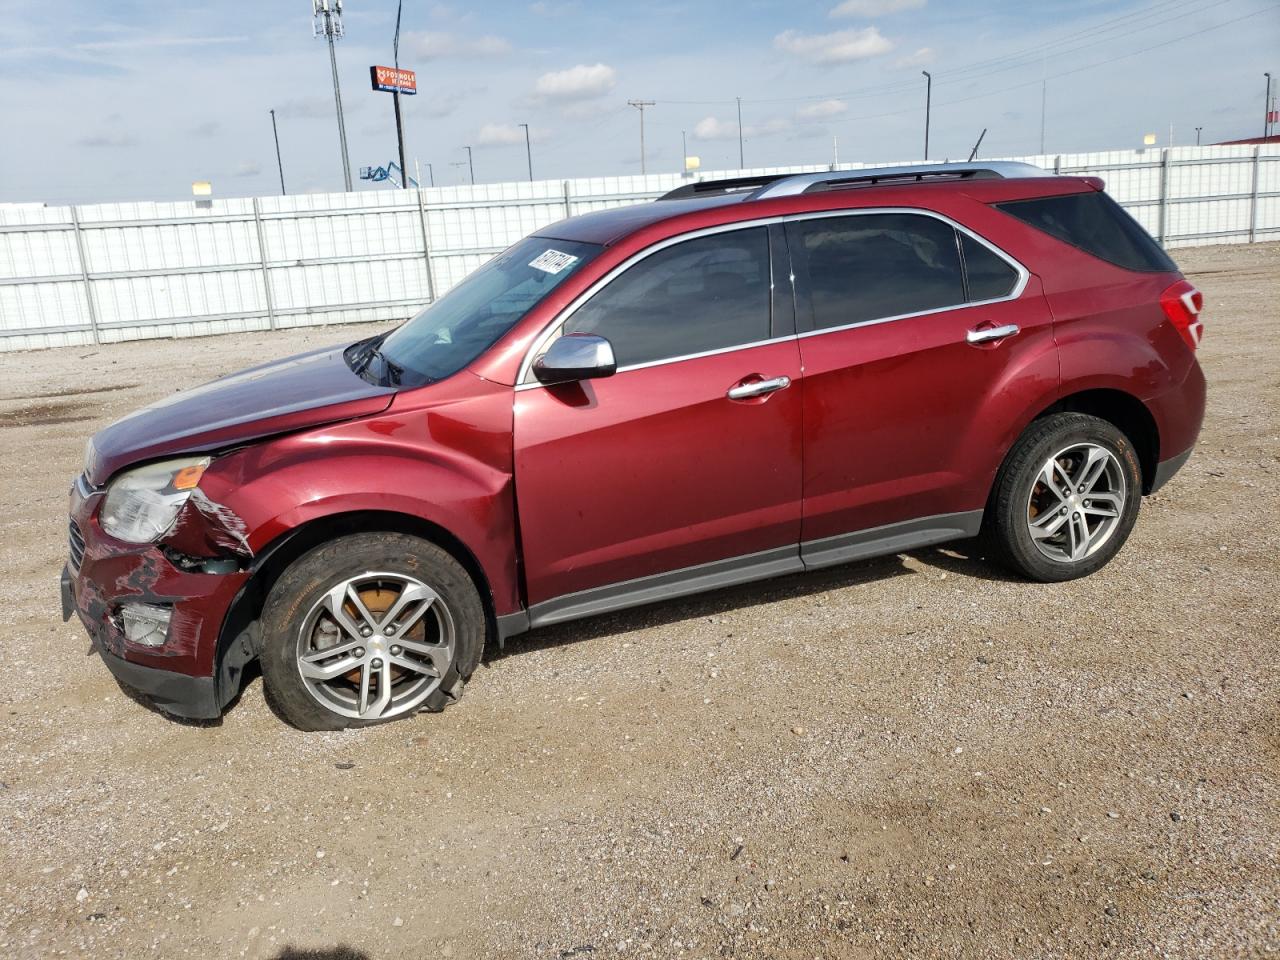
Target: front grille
(77,547)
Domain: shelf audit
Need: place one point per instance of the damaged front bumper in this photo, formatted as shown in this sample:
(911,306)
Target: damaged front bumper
(177,670)
(195,698)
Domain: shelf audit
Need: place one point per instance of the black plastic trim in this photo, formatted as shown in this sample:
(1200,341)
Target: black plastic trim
(175,693)
(891,538)
(1165,469)
(665,586)
(814,555)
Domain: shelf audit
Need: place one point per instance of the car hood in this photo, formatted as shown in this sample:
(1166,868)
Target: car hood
(302,391)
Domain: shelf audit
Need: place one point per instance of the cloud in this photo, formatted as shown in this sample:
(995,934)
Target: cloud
(822,110)
(921,58)
(874,8)
(130,43)
(842,46)
(505,135)
(544,9)
(442,46)
(317,108)
(112,139)
(577,83)
(441,103)
(203,131)
(247,168)
(713,128)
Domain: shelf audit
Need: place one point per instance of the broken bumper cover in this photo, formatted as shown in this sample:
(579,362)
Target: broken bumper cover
(179,694)
(195,698)
(106,574)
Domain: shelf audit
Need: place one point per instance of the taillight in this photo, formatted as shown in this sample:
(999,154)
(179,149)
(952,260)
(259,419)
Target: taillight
(1181,304)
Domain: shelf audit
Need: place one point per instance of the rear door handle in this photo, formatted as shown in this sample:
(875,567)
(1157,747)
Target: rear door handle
(758,388)
(992,333)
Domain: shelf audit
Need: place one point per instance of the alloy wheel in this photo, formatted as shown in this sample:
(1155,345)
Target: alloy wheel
(375,646)
(1076,503)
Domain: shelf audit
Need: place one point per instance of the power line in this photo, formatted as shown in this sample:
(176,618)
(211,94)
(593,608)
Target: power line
(981,68)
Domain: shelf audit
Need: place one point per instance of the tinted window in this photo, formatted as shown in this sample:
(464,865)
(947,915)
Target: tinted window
(695,296)
(879,265)
(989,276)
(470,318)
(1096,224)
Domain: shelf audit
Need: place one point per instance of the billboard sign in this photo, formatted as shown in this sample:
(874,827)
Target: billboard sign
(393,81)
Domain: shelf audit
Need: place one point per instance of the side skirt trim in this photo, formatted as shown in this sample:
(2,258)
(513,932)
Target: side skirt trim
(814,555)
(664,586)
(891,538)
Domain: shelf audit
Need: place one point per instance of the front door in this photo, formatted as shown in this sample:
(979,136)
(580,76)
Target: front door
(688,457)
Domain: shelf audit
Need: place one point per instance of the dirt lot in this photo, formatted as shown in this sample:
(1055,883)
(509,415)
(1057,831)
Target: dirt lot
(914,756)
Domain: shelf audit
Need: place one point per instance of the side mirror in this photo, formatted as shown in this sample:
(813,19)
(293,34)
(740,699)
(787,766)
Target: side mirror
(577,356)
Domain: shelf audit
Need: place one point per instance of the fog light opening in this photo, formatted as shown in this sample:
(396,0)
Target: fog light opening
(145,624)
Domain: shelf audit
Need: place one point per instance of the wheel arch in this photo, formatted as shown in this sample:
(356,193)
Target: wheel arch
(239,642)
(1126,413)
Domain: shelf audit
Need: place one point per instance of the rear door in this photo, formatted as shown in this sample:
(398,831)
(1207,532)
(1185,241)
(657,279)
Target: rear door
(921,345)
(657,468)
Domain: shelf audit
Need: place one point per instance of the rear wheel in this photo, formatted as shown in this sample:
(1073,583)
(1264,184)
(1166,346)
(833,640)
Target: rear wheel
(1066,498)
(370,628)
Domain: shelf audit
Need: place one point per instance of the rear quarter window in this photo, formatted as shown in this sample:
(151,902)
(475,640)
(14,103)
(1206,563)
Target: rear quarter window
(1096,224)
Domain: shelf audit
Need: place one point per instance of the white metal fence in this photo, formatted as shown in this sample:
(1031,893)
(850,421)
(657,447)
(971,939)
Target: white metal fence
(129,271)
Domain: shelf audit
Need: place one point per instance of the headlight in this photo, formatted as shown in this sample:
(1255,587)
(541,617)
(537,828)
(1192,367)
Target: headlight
(142,504)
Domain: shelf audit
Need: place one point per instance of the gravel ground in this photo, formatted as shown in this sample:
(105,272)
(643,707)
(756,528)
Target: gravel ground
(909,757)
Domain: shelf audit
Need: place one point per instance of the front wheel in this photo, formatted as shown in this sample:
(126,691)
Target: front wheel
(1066,498)
(369,628)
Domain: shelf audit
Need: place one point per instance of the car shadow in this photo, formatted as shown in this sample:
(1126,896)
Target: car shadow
(964,558)
(340,952)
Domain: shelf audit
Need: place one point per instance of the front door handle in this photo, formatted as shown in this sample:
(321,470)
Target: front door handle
(991,333)
(758,388)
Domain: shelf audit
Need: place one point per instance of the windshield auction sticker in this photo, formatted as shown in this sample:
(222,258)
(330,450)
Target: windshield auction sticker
(553,261)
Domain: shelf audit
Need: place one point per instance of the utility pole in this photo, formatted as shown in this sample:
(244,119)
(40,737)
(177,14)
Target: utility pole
(528,150)
(279,163)
(327,23)
(928,102)
(741,162)
(471,167)
(1044,96)
(640,105)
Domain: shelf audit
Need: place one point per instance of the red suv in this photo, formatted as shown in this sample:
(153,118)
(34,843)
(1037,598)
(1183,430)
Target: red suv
(744,379)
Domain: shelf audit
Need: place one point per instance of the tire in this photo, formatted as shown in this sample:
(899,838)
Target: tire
(1039,523)
(385,625)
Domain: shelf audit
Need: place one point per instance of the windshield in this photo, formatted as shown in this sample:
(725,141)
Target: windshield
(471,317)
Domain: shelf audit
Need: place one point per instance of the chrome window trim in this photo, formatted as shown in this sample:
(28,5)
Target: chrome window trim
(1020,286)
(526,381)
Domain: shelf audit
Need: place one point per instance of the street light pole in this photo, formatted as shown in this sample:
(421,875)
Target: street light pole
(471,167)
(395,97)
(1198,129)
(528,150)
(741,163)
(1266,108)
(928,102)
(279,163)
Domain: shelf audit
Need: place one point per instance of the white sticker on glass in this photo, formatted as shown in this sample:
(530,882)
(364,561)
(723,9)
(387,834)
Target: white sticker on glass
(553,261)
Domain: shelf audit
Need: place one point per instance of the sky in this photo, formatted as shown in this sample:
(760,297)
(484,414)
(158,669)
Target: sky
(135,99)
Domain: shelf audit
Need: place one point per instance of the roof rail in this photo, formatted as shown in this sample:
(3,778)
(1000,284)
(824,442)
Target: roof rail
(707,188)
(790,186)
